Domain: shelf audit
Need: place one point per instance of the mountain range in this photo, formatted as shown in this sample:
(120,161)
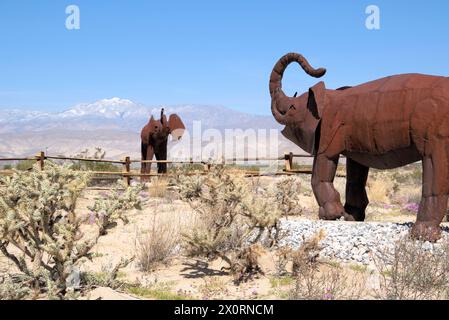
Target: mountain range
(114,125)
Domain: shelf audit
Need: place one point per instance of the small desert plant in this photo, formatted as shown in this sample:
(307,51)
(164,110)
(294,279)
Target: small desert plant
(158,291)
(306,257)
(40,230)
(156,245)
(231,218)
(319,281)
(283,257)
(107,277)
(411,271)
(107,210)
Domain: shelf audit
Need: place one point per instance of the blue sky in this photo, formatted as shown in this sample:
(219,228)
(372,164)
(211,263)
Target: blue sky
(206,52)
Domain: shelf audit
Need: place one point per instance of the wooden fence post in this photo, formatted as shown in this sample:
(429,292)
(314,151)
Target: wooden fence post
(207,167)
(127,165)
(41,160)
(288,161)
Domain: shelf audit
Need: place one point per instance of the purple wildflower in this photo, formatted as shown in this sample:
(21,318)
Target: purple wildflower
(413,207)
(91,218)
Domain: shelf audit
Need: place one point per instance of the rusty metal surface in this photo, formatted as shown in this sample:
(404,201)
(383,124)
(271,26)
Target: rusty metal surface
(384,124)
(154,138)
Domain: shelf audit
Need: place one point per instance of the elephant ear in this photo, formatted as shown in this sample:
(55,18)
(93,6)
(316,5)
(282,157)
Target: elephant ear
(176,126)
(307,135)
(152,124)
(317,97)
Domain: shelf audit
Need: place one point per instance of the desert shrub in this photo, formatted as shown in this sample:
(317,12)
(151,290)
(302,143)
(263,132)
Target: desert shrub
(156,245)
(411,271)
(231,219)
(40,231)
(97,154)
(107,210)
(25,165)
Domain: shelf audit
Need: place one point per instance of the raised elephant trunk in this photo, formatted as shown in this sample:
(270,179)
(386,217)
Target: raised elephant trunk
(279,101)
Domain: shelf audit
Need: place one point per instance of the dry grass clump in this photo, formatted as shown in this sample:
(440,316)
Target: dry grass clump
(158,187)
(381,186)
(409,271)
(328,282)
(320,281)
(156,245)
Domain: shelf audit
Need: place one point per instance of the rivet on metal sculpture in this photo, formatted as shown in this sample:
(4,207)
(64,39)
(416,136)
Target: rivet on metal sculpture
(154,137)
(382,124)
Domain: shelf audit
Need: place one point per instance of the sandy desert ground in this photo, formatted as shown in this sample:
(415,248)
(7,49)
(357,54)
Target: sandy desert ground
(393,195)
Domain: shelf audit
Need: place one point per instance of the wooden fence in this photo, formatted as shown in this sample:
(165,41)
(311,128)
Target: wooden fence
(127,174)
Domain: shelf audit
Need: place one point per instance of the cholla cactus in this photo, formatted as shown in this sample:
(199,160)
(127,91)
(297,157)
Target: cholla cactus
(231,218)
(107,210)
(37,217)
(10,290)
(286,194)
(39,228)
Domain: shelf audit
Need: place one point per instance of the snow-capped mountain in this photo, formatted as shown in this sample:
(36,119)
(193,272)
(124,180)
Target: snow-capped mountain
(113,124)
(126,115)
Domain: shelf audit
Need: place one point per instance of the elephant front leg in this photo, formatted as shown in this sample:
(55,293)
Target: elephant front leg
(356,197)
(433,206)
(328,198)
(146,167)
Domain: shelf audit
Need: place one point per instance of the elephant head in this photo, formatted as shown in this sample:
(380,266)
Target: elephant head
(301,115)
(159,130)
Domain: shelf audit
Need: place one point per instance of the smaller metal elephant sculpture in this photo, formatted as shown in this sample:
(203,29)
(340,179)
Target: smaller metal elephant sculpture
(154,137)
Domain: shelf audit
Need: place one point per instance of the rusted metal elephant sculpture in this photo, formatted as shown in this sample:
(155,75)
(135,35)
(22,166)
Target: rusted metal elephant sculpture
(154,137)
(383,124)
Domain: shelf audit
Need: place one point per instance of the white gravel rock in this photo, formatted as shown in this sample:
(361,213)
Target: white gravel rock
(350,241)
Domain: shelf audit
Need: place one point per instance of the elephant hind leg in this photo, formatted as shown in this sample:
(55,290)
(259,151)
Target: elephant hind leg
(143,165)
(356,197)
(435,190)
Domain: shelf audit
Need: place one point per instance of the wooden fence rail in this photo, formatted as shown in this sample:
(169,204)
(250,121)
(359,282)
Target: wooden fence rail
(127,174)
